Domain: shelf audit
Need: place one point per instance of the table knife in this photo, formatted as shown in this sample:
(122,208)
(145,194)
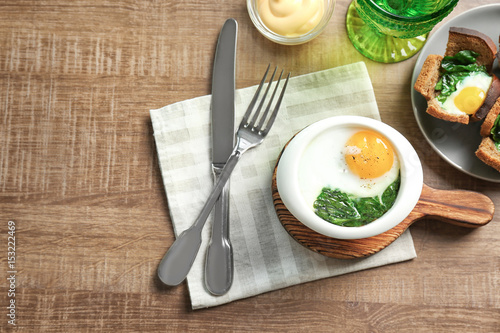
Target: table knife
(219,259)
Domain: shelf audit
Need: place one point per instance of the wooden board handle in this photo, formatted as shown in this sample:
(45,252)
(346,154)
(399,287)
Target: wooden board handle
(464,208)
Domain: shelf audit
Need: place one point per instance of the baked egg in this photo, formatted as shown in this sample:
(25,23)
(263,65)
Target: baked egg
(470,94)
(357,161)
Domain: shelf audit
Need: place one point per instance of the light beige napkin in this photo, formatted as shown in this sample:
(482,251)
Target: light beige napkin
(265,257)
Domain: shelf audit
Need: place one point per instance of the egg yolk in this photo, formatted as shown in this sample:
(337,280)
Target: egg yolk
(470,99)
(368,154)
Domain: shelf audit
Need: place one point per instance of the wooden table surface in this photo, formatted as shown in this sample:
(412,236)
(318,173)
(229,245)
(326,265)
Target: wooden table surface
(79,177)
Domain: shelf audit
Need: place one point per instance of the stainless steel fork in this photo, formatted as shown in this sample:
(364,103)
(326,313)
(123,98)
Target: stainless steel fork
(252,130)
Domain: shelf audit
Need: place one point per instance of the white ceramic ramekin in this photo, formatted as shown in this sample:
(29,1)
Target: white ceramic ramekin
(408,194)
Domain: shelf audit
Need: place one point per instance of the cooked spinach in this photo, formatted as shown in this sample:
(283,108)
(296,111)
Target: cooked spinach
(454,69)
(343,209)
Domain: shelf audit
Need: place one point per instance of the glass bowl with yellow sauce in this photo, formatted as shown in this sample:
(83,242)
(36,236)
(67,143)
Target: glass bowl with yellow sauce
(290,22)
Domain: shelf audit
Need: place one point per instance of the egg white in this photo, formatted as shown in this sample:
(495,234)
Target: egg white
(323,165)
(477,79)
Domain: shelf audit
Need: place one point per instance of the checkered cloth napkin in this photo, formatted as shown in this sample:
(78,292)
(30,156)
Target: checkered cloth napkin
(266,258)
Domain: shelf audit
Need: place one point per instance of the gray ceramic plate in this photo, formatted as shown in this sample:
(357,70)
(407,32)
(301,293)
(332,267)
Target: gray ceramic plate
(456,143)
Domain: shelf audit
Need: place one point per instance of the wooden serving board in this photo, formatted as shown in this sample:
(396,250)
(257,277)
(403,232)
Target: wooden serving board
(463,208)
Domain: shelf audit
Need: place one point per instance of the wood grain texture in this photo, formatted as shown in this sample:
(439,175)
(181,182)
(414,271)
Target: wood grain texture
(79,176)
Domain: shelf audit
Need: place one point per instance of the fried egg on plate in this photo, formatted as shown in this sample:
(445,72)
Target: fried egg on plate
(357,161)
(470,94)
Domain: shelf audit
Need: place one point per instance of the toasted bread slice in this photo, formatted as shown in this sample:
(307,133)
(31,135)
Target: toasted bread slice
(459,39)
(491,97)
(462,39)
(487,151)
(429,76)
(489,121)
(426,81)
(467,39)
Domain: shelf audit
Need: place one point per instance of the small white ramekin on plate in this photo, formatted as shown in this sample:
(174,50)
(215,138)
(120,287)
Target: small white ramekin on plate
(287,179)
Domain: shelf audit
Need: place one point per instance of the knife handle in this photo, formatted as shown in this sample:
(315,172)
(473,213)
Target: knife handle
(219,260)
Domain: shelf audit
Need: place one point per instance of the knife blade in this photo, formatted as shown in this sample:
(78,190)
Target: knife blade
(219,259)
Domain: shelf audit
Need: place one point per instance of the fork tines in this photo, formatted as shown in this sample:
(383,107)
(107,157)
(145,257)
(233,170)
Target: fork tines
(258,127)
